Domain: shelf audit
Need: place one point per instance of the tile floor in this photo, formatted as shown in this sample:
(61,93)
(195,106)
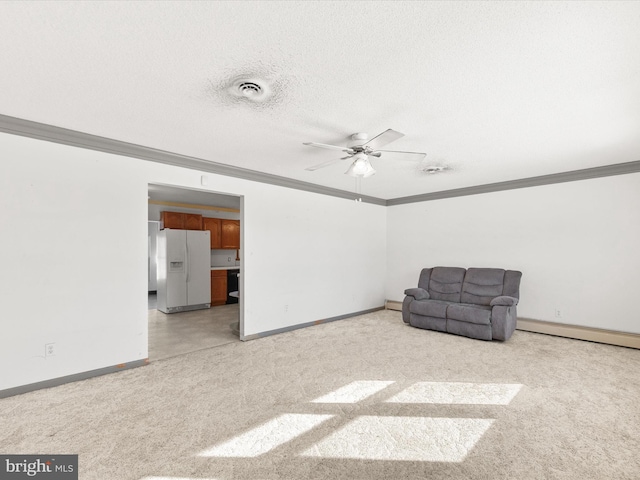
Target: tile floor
(179,333)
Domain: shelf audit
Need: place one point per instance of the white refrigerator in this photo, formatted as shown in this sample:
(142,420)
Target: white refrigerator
(184,270)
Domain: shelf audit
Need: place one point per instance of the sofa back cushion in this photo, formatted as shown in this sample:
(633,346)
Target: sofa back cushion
(512,283)
(445,283)
(481,285)
(425,276)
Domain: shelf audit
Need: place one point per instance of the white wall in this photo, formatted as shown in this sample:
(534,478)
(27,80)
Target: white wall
(74,256)
(576,244)
(152,281)
(320,256)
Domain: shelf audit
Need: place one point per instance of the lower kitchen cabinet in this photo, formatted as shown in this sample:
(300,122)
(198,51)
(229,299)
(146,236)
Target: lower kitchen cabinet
(218,287)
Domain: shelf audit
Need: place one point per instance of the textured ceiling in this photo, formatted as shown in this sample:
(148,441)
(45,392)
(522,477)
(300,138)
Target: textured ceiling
(497,91)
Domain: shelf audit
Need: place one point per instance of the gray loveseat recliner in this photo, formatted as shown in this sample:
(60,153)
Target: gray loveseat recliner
(475,302)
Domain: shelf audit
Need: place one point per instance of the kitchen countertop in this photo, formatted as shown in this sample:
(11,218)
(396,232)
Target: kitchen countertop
(228,267)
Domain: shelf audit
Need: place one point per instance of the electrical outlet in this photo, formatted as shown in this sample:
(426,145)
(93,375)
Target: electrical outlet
(286,308)
(558,313)
(49,349)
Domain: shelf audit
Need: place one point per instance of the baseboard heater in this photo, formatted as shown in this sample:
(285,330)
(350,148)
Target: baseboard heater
(610,337)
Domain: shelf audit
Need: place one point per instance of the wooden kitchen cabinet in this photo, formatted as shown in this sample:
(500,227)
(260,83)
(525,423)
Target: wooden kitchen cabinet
(172,220)
(230,234)
(192,221)
(225,234)
(181,221)
(214,225)
(218,287)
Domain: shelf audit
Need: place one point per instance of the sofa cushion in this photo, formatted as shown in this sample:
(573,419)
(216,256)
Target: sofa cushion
(478,314)
(428,323)
(445,283)
(429,308)
(481,285)
(512,283)
(425,276)
(471,330)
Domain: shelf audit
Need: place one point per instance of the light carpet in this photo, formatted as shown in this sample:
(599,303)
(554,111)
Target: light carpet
(361,398)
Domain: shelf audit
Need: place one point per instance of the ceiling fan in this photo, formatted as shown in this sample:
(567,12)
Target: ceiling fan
(360,152)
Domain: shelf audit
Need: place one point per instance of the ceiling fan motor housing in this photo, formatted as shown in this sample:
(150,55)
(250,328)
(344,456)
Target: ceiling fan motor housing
(357,139)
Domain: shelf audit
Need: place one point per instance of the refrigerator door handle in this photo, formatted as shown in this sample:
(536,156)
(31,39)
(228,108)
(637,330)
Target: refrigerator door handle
(188,260)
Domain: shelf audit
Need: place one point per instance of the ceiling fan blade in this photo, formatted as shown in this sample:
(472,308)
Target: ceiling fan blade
(331,147)
(381,140)
(414,156)
(325,164)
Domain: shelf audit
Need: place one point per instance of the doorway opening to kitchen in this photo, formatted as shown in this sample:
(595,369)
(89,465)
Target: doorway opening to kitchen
(194,260)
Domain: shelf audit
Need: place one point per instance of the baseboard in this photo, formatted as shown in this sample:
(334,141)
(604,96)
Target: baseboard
(393,305)
(54,382)
(610,337)
(309,324)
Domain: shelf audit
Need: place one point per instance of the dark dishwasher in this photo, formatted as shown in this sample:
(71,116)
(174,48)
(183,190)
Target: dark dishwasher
(232,285)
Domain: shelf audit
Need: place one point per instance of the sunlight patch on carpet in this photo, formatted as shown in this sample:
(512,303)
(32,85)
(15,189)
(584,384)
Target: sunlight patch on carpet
(422,439)
(268,436)
(354,392)
(458,393)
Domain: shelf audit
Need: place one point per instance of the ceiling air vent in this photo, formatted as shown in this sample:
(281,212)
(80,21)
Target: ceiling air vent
(252,89)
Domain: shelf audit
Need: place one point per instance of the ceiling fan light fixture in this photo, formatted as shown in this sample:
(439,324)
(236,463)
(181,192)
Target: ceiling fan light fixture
(361,167)
(360,152)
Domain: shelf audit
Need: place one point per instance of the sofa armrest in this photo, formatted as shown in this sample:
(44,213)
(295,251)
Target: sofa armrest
(417,293)
(504,301)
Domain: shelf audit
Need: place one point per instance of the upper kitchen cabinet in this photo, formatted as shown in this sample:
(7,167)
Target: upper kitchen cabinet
(181,221)
(172,220)
(214,225)
(192,221)
(230,234)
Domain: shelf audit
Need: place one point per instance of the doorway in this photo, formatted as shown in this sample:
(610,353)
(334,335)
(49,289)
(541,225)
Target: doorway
(172,334)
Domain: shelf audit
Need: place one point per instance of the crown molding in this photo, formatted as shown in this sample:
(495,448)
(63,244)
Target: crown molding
(571,176)
(50,133)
